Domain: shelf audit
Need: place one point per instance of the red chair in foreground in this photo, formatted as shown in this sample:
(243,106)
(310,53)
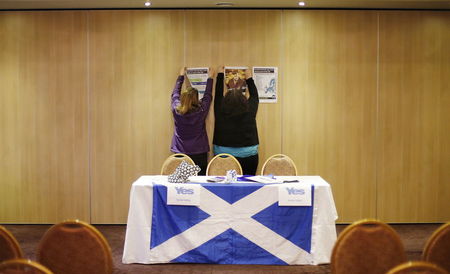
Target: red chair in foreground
(74,247)
(367,247)
(437,248)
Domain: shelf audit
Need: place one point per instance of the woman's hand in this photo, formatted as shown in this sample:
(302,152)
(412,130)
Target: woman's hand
(220,69)
(182,71)
(211,73)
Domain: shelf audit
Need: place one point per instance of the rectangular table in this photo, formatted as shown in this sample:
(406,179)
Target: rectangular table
(238,223)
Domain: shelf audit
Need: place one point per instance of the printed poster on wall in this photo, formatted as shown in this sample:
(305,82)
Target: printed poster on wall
(235,78)
(198,78)
(266,81)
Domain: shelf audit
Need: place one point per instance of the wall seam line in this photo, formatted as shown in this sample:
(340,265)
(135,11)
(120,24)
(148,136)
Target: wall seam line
(377,113)
(184,38)
(88,90)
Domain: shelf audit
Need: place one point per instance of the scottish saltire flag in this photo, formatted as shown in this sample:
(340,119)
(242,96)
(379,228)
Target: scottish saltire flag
(234,224)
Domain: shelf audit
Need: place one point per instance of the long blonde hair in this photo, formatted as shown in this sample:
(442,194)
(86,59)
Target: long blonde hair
(188,101)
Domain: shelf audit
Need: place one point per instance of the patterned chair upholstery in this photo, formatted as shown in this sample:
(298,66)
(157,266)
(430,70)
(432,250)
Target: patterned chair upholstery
(279,165)
(173,161)
(221,163)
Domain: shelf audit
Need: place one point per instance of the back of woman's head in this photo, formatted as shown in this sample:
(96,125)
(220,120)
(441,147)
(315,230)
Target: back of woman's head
(188,101)
(234,103)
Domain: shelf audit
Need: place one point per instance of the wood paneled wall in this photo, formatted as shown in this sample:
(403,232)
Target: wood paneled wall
(330,103)
(364,99)
(135,56)
(414,117)
(43,117)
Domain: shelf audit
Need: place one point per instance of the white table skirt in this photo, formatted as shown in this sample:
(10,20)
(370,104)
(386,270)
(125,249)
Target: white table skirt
(138,233)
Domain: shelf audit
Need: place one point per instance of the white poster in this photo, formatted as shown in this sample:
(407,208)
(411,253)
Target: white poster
(266,81)
(198,78)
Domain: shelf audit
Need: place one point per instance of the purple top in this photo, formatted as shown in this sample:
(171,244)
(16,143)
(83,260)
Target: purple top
(189,135)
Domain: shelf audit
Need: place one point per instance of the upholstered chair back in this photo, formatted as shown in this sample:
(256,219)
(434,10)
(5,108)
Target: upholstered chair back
(173,161)
(74,247)
(367,247)
(437,248)
(279,165)
(221,163)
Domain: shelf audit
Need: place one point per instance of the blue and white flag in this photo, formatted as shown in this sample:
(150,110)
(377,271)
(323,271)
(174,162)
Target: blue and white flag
(234,224)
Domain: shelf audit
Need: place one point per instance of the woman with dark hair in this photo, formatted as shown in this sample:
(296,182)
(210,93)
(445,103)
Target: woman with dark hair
(189,115)
(235,130)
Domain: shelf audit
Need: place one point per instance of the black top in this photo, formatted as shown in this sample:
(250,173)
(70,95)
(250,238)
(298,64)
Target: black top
(239,130)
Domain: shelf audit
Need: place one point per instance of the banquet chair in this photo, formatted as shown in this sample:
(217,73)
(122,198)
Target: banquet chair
(9,247)
(23,266)
(221,163)
(366,247)
(417,267)
(173,161)
(437,247)
(75,247)
(279,165)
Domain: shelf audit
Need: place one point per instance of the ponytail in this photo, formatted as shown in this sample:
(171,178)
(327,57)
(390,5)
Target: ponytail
(188,101)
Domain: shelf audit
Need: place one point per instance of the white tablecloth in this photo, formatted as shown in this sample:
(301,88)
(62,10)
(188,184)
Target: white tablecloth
(138,233)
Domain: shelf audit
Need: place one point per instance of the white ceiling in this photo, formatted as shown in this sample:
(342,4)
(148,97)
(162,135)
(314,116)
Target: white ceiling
(124,4)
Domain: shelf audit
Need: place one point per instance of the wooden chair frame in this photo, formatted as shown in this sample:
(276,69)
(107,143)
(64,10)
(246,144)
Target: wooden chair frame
(14,243)
(278,156)
(25,263)
(224,155)
(417,265)
(179,156)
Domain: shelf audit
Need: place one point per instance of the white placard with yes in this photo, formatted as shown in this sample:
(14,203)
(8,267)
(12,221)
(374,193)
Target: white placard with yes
(183,194)
(294,194)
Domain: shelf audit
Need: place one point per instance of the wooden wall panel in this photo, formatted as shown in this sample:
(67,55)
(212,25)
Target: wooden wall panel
(85,97)
(43,117)
(239,38)
(329,109)
(133,58)
(414,147)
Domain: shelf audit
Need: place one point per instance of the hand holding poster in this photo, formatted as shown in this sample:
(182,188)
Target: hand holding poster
(266,81)
(198,78)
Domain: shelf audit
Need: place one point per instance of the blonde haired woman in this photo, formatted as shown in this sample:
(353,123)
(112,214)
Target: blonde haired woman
(189,114)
